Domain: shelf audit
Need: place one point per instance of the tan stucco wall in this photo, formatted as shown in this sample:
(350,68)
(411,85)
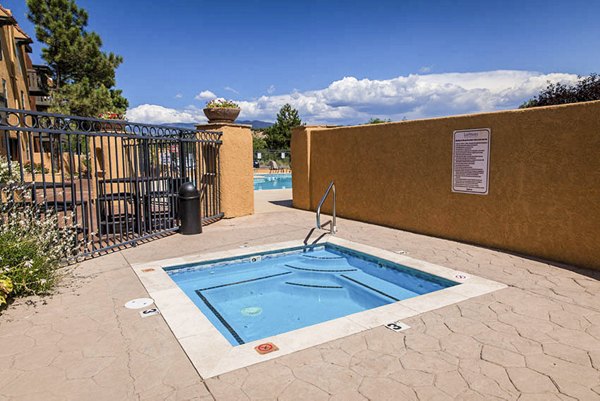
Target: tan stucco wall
(12,71)
(300,148)
(544,188)
(237,179)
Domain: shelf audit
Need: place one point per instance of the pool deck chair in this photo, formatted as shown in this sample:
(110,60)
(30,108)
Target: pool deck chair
(274,167)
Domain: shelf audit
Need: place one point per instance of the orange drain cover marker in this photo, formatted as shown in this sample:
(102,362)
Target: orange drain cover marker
(148,270)
(266,348)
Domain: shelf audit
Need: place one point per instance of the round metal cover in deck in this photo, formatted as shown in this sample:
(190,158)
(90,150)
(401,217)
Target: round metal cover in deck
(139,303)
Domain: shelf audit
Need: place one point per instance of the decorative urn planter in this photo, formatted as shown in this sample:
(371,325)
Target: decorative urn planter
(221,114)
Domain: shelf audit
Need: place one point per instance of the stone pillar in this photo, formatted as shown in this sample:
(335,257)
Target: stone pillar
(237,173)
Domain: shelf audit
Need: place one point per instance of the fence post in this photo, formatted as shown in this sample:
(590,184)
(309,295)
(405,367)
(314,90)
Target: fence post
(237,173)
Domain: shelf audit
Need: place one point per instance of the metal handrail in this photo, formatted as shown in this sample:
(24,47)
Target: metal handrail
(333,229)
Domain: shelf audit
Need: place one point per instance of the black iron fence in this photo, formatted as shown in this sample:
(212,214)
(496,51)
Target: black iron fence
(116,181)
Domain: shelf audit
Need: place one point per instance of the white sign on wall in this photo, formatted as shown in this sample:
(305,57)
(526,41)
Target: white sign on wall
(471,161)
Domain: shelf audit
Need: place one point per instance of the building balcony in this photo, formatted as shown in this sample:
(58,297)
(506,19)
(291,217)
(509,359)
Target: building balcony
(43,101)
(38,78)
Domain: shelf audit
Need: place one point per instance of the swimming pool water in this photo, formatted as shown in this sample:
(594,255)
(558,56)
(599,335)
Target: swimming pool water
(258,296)
(272,181)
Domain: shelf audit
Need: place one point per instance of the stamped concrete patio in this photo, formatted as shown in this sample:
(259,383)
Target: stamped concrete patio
(538,339)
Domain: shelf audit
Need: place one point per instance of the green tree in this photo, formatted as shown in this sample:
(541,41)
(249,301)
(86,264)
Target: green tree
(586,89)
(258,142)
(84,75)
(378,121)
(279,135)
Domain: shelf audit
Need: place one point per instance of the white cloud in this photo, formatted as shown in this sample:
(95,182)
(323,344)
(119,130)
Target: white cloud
(351,100)
(178,96)
(155,114)
(230,89)
(205,95)
(271,89)
(426,69)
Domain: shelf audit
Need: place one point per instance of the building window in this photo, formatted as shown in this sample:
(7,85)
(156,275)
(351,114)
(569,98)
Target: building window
(18,56)
(0,44)
(22,100)
(4,99)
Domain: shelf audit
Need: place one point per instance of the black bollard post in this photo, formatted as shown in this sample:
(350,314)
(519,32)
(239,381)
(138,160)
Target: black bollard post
(189,210)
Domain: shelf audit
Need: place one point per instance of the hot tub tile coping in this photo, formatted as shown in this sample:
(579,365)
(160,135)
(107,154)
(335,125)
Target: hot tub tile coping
(203,257)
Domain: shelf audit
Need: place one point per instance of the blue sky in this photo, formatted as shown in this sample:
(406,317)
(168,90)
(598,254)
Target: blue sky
(340,61)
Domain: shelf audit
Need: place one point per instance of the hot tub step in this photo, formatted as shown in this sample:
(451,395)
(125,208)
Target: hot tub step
(320,269)
(313,285)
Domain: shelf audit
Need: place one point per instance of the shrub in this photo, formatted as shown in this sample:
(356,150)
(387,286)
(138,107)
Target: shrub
(9,173)
(377,120)
(33,243)
(6,288)
(32,247)
(584,90)
(37,168)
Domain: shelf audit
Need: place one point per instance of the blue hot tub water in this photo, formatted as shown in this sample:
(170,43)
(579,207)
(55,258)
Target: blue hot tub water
(258,296)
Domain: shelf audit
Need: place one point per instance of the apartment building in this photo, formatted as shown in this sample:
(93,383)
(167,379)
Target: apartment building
(23,85)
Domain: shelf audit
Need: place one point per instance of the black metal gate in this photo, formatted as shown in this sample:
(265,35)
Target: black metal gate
(116,181)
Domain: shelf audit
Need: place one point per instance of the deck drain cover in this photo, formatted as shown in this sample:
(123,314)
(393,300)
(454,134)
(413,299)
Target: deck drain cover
(251,311)
(139,303)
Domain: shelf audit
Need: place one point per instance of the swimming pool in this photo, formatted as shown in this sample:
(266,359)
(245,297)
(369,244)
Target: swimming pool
(272,181)
(257,296)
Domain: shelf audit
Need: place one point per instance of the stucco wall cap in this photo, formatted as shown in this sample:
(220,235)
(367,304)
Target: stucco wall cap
(216,125)
(319,126)
(459,117)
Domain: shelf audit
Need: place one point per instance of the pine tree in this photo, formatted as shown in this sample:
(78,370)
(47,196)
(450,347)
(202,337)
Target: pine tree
(84,75)
(279,135)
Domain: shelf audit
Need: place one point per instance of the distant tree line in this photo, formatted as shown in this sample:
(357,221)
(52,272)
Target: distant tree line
(377,120)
